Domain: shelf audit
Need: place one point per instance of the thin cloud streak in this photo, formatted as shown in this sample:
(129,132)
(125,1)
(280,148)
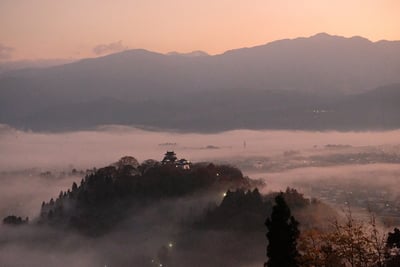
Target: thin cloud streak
(5,52)
(115,47)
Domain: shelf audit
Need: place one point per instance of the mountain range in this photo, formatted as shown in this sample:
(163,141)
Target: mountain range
(320,82)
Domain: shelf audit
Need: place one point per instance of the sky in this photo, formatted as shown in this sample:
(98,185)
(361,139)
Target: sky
(71,29)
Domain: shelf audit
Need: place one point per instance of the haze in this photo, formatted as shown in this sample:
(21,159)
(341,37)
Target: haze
(27,156)
(86,149)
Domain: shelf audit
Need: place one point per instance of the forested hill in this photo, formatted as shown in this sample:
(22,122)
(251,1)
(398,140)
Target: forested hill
(108,195)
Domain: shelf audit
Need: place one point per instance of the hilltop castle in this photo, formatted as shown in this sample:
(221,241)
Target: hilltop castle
(171,159)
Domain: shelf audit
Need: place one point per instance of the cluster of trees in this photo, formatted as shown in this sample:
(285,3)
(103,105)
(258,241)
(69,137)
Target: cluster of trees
(239,211)
(349,242)
(245,211)
(15,220)
(104,196)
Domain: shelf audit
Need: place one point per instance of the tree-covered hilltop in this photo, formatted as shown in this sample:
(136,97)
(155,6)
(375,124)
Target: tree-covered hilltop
(245,211)
(107,195)
(239,210)
(232,232)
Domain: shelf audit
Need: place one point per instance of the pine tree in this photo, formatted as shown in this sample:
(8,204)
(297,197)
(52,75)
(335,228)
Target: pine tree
(74,187)
(282,236)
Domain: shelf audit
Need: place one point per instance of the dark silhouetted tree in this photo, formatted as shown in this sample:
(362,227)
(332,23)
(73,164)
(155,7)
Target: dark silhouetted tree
(393,248)
(282,236)
(393,239)
(74,187)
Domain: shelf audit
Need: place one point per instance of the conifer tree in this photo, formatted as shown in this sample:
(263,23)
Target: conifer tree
(282,236)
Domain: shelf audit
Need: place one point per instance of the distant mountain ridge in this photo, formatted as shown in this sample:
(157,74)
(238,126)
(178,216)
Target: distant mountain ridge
(197,53)
(139,86)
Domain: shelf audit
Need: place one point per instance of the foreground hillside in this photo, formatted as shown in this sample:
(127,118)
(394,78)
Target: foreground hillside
(149,214)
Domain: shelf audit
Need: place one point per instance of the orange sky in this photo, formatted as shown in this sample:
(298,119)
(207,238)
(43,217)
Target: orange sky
(33,29)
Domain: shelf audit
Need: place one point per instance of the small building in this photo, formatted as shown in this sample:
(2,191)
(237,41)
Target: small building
(169,158)
(183,164)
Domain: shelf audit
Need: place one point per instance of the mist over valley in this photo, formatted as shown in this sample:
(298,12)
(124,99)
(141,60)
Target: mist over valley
(341,169)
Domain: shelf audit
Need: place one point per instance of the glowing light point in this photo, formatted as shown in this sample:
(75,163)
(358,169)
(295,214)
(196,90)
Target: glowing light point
(170,244)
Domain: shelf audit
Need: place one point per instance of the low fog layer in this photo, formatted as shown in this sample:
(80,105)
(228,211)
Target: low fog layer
(86,149)
(36,166)
(136,242)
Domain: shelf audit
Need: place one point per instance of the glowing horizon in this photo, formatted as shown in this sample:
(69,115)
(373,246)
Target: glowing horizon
(87,28)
